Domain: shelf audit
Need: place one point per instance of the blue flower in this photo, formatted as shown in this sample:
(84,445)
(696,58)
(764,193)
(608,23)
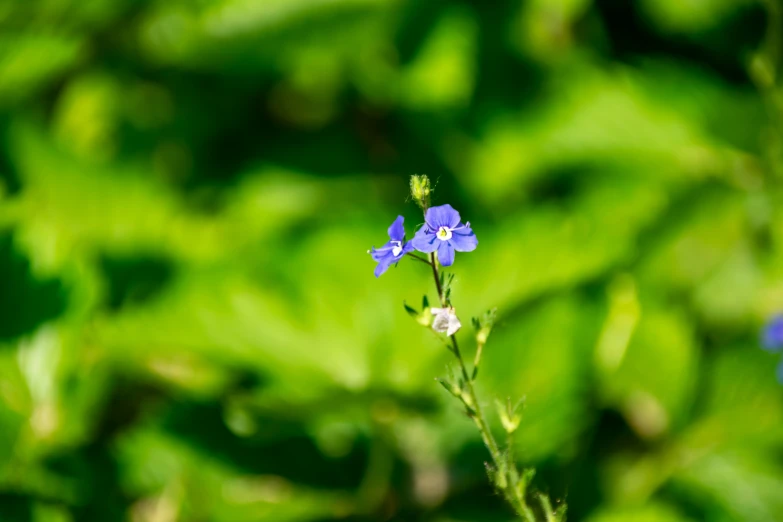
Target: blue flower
(772,336)
(772,340)
(392,251)
(443,231)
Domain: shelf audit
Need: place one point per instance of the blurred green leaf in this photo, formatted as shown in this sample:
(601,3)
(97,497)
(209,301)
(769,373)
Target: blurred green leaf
(29,61)
(652,513)
(654,402)
(743,485)
(541,359)
(190,328)
(442,75)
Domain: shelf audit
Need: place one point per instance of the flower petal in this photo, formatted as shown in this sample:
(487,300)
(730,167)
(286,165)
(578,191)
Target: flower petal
(396,230)
(442,216)
(383,265)
(440,322)
(463,239)
(772,336)
(425,241)
(454,325)
(445,253)
(445,320)
(379,253)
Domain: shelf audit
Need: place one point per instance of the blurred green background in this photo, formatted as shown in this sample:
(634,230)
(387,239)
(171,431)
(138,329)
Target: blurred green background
(189,325)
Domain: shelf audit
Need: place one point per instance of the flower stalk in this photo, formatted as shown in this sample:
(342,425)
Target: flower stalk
(507,477)
(442,235)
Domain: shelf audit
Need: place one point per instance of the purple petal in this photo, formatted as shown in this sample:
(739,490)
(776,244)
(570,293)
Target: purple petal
(463,239)
(445,253)
(442,216)
(772,336)
(396,230)
(425,241)
(383,265)
(407,247)
(379,253)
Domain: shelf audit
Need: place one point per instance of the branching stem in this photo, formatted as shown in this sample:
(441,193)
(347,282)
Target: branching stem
(502,463)
(414,256)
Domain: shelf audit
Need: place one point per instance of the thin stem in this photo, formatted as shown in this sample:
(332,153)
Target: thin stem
(503,463)
(513,478)
(546,506)
(437,280)
(458,355)
(477,361)
(512,493)
(478,417)
(414,256)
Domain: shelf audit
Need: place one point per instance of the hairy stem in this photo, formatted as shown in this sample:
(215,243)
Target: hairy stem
(477,361)
(511,491)
(435,273)
(414,256)
(513,478)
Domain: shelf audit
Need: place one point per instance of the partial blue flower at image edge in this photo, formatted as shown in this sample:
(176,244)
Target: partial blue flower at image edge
(772,341)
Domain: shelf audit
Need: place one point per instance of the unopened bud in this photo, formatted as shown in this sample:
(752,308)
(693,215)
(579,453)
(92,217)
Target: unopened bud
(509,417)
(421,191)
(451,386)
(468,400)
(425,317)
(510,424)
(484,326)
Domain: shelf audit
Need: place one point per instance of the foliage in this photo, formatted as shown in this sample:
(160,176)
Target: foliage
(189,325)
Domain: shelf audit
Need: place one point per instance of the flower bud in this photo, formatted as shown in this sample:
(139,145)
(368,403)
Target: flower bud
(510,424)
(484,326)
(509,417)
(451,386)
(421,190)
(425,317)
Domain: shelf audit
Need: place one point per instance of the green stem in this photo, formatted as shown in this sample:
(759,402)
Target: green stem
(511,492)
(546,506)
(414,256)
(434,264)
(513,478)
(469,385)
(477,361)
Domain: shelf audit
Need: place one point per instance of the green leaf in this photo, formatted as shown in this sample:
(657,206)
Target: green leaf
(29,61)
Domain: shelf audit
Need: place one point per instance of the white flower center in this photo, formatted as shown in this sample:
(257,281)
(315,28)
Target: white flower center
(444,233)
(397,248)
